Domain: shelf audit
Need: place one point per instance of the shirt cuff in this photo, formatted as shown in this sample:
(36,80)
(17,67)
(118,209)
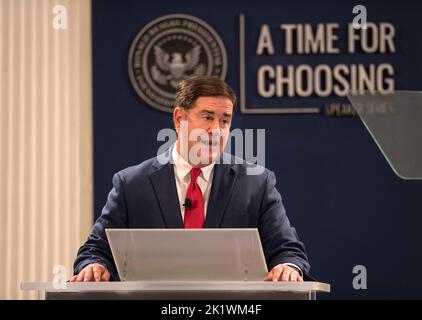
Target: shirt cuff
(294,266)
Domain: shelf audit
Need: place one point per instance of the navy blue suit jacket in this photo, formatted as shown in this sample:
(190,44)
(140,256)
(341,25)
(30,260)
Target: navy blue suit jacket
(145,196)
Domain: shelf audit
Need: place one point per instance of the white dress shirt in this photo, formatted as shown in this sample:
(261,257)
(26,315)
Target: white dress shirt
(182,173)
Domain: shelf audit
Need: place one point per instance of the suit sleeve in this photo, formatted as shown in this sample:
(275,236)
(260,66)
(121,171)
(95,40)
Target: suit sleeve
(96,249)
(279,239)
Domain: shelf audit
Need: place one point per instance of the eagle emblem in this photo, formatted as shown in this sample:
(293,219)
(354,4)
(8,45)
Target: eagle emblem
(171,68)
(170,49)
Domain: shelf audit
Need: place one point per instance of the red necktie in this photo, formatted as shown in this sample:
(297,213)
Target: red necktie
(194,202)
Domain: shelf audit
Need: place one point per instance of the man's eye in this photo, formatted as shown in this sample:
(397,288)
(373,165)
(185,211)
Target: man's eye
(208,118)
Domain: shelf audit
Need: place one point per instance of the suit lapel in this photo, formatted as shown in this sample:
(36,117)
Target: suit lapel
(221,191)
(164,184)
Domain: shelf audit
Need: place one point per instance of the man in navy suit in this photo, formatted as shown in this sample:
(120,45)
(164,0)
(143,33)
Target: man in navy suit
(195,185)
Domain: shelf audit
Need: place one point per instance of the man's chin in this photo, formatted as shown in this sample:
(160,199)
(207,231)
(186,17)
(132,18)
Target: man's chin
(208,159)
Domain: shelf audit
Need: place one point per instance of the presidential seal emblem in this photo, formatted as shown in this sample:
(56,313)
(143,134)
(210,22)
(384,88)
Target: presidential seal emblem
(170,49)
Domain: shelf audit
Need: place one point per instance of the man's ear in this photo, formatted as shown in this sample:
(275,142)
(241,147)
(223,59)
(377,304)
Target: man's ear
(177,117)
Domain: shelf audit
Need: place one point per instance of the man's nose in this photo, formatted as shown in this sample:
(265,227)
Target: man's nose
(215,125)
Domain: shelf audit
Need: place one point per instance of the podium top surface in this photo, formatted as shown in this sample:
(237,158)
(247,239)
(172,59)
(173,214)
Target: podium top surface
(179,286)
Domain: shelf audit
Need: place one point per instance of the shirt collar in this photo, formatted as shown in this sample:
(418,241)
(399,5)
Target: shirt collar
(183,167)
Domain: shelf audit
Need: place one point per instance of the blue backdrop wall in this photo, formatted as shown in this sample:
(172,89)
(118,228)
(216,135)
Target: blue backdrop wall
(346,203)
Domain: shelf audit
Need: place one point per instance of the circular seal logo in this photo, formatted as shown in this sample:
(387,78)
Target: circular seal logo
(170,49)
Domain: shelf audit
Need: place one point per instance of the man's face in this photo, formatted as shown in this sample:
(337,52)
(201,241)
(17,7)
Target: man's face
(208,126)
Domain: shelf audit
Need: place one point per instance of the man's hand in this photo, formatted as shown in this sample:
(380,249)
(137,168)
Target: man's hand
(282,272)
(92,272)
